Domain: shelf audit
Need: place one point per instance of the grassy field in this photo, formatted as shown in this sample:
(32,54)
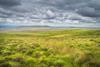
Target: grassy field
(56,48)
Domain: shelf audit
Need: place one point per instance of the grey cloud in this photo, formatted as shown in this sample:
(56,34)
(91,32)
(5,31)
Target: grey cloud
(9,3)
(81,5)
(95,4)
(5,13)
(92,9)
(58,9)
(7,6)
(88,11)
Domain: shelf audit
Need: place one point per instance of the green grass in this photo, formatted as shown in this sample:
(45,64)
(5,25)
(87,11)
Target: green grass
(56,48)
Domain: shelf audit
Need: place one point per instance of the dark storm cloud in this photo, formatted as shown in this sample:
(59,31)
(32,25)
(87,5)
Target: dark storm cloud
(80,5)
(9,3)
(63,4)
(7,8)
(92,9)
(88,11)
(89,8)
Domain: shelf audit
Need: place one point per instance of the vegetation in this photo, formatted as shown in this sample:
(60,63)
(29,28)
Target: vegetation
(56,48)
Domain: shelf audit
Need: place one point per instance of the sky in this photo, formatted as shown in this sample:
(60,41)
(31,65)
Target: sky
(50,12)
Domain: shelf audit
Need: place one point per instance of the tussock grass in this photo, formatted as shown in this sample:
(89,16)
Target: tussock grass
(56,48)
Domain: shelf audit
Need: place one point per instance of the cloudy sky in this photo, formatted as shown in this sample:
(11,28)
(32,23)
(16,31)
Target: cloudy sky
(50,12)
